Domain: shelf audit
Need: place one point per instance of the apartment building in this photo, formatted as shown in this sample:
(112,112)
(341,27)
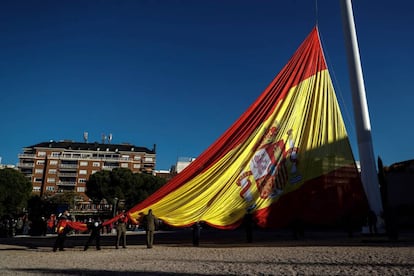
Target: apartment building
(55,167)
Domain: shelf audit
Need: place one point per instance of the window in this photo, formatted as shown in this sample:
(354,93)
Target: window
(40,162)
(149,159)
(36,189)
(83,172)
(55,154)
(93,172)
(137,157)
(50,188)
(52,171)
(124,165)
(137,166)
(41,154)
(82,180)
(53,162)
(96,164)
(51,180)
(83,163)
(39,171)
(80,189)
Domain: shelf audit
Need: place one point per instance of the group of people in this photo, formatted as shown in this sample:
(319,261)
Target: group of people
(11,226)
(148,221)
(65,225)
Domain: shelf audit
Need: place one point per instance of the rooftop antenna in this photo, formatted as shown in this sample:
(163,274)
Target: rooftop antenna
(103,138)
(85,137)
(109,138)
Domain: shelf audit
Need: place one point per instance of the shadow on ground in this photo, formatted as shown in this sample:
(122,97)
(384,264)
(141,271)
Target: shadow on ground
(217,238)
(93,272)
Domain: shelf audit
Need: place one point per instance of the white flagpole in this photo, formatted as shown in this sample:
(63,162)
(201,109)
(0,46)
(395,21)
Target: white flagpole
(369,175)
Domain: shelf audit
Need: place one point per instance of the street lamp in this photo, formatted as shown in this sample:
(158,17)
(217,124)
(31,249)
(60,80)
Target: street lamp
(115,206)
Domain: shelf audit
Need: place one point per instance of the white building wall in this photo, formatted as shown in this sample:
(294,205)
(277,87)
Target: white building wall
(183,162)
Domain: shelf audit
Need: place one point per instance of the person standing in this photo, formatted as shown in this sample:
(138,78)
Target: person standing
(196,234)
(95,228)
(372,223)
(121,229)
(248,224)
(149,223)
(51,224)
(62,230)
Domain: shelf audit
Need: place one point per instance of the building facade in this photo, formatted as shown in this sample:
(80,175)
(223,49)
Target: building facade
(182,163)
(57,167)
(399,178)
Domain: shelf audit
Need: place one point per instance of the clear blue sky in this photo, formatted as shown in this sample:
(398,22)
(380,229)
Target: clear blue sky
(178,73)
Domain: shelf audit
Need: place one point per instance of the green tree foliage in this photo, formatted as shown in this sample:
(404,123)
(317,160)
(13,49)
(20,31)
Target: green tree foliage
(97,186)
(15,190)
(144,185)
(122,184)
(66,198)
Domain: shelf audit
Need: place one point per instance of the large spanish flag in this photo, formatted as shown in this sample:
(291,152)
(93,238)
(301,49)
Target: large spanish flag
(287,158)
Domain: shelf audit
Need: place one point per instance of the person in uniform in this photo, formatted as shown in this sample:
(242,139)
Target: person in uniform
(95,228)
(149,224)
(196,233)
(62,230)
(121,229)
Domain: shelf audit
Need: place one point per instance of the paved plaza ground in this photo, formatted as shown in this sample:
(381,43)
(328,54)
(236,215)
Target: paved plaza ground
(219,253)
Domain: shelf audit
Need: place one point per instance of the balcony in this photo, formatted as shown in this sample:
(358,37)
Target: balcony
(111,158)
(25,165)
(68,166)
(109,168)
(63,174)
(27,156)
(66,183)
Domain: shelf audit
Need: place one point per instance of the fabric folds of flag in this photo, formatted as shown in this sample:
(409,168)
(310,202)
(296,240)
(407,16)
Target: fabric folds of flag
(286,159)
